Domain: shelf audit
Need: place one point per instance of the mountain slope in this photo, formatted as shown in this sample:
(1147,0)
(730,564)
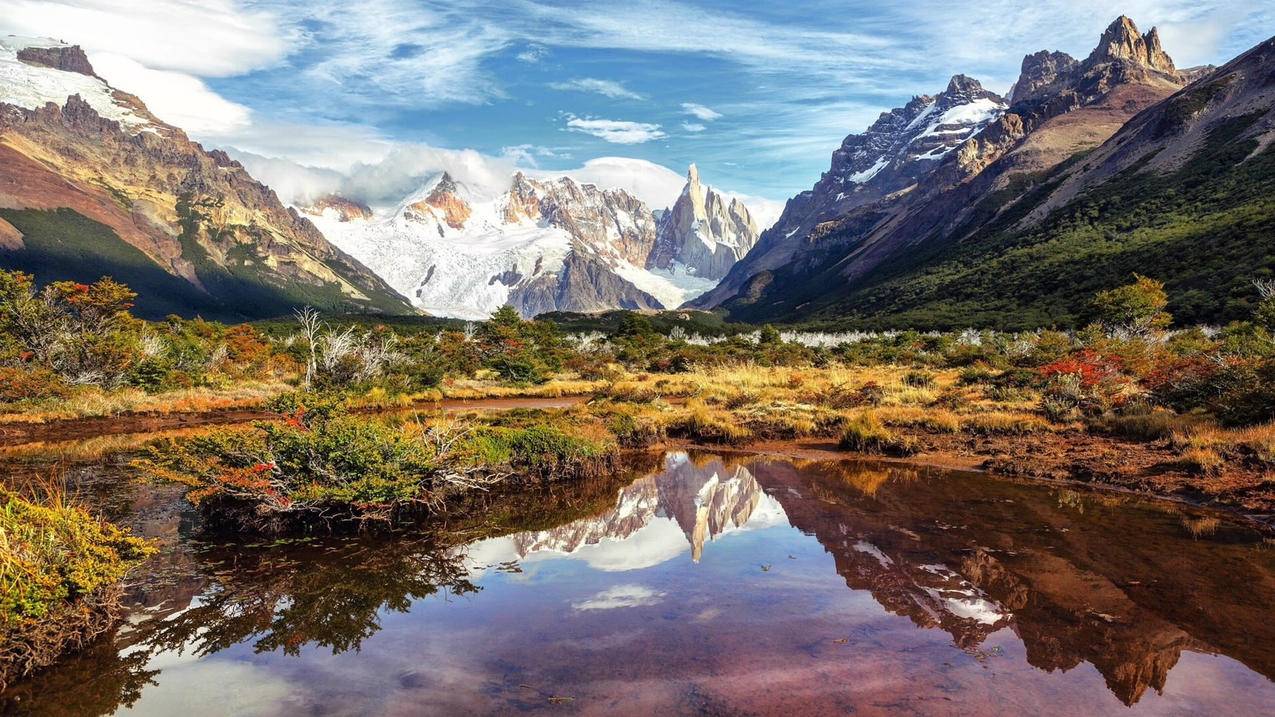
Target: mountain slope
(92,184)
(1183,192)
(1061,109)
(902,146)
(542,245)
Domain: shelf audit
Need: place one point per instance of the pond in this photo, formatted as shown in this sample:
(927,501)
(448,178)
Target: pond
(710,584)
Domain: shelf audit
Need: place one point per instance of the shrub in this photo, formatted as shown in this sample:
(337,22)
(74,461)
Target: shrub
(23,384)
(59,573)
(919,379)
(540,451)
(866,434)
(977,374)
(1137,307)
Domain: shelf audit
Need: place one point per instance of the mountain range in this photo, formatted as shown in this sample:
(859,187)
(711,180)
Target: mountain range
(1088,171)
(961,208)
(542,245)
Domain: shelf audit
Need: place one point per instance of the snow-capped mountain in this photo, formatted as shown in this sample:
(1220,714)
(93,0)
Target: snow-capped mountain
(703,232)
(541,245)
(901,147)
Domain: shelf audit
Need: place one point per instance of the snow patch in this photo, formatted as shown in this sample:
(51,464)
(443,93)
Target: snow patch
(32,86)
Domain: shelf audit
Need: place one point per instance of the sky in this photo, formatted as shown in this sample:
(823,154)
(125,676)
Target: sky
(758,95)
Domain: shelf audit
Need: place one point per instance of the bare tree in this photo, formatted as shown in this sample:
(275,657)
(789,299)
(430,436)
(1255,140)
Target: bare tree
(308,317)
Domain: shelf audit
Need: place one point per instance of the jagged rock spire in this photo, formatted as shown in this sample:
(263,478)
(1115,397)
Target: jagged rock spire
(1121,41)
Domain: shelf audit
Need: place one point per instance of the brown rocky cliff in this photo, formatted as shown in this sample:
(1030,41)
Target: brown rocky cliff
(69,59)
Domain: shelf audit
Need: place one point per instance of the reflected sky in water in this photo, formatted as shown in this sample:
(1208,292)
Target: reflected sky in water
(723,586)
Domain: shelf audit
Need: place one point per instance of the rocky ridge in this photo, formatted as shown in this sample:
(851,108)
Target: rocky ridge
(1058,107)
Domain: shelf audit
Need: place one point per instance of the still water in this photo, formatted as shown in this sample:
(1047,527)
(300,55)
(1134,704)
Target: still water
(702,585)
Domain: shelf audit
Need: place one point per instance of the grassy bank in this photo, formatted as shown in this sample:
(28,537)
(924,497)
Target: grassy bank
(325,469)
(60,573)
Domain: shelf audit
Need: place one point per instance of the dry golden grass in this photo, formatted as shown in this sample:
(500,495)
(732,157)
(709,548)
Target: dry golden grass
(475,388)
(1205,448)
(90,402)
(1200,527)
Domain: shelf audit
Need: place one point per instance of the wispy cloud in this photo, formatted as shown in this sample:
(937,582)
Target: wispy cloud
(693,127)
(615,131)
(620,596)
(700,111)
(533,54)
(606,88)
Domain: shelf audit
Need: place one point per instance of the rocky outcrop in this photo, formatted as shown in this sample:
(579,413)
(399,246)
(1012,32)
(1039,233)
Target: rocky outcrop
(1122,43)
(583,283)
(703,232)
(442,204)
(1039,71)
(344,209)
(69,58)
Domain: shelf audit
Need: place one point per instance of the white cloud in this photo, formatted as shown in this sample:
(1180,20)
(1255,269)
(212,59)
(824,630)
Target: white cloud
(615,131)
(607,88)
(693,127)
(700,111)
(380,52)
(209,38)
(621,596)
(334,146)
(175,97)
(656,185)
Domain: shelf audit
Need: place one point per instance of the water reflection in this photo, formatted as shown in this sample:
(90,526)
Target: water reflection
(711,584)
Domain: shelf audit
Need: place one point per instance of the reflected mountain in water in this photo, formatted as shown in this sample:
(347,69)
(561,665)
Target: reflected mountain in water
(656,518)
(1123,585)
(1084,578)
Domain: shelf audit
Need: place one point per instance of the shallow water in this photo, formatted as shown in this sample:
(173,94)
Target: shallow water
(735,585)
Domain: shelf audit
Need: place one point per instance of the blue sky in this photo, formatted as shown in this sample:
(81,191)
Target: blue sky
(757,94)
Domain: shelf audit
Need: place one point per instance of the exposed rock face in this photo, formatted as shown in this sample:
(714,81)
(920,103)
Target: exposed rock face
(1059,106)
(202,235)
(67,58)
(1121,41)
(703,232)
(899,149)
(443,204)
(1040,70)
(344,209)
(546,245)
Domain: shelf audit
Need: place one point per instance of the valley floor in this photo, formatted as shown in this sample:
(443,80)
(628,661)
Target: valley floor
(931,416)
